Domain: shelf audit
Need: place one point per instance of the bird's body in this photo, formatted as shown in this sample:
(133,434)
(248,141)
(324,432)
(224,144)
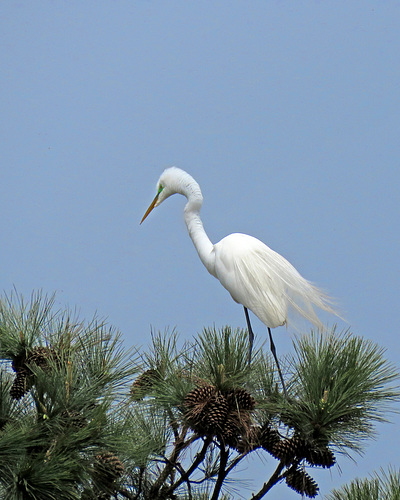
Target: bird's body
(245,267)
(256,276)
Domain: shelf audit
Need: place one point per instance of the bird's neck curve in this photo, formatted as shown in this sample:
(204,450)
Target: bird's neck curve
(194,224)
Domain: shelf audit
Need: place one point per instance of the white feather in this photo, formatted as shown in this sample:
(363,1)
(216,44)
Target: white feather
(265,282)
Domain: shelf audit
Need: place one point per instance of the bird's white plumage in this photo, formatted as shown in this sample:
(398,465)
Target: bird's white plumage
(243,267)
(264,281)
(256,276)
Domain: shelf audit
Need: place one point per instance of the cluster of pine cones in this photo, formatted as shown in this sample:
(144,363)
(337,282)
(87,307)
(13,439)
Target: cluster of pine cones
(226,415)
(295,448)
(39,356)
(291,451)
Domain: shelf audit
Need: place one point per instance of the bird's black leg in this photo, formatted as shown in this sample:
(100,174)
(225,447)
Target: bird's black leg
(273,350)
(251,334)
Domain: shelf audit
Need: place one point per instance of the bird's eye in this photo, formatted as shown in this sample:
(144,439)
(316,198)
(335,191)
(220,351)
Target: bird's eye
(160,188)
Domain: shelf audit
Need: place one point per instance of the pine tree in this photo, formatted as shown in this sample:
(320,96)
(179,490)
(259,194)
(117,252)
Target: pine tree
(81,417)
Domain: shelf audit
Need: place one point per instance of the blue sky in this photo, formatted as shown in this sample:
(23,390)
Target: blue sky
(288,115)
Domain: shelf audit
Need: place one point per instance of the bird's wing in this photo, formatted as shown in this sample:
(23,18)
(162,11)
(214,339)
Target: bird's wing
(243,270)
(265,282)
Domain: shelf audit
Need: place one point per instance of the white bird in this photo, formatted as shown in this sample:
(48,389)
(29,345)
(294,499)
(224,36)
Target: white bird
(255,276)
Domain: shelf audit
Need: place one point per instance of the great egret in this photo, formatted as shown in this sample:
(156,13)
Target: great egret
(255,276)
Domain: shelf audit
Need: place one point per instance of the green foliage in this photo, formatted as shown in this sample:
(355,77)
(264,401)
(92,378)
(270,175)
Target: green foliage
(222,357)
(83,418)
(341,385)
(75,375)
(381,486)
(22,324)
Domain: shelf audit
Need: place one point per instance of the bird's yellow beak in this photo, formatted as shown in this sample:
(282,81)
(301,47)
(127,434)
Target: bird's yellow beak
(152,205)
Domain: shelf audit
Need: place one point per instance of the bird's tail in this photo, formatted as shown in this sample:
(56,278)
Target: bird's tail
(304,298)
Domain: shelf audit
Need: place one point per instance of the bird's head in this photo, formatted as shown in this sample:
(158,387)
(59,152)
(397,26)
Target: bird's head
(172,180)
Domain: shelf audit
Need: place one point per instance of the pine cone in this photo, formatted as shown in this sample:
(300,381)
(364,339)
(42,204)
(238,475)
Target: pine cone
(40,356)
(18,363)
(196,407)
(207,409)
(288,449)
(240,399)
(74,419)
(108,468)
(301,482)
(231,430)
(216,411)
(199,395)
(322,457)
(20,385)
(143,384)
(269,438)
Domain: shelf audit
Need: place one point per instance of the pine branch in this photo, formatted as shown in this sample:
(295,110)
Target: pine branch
(235,461)
(140,485)
(223,460)
(180,445)
(273,480)
(197,461)
(173,423)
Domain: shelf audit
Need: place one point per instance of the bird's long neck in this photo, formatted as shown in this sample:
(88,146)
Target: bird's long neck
(201,241)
